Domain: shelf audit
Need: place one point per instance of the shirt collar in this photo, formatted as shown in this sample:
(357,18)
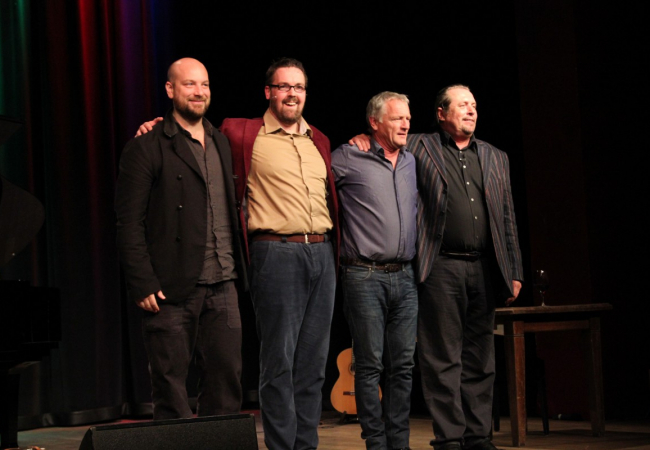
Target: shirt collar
(449,142)
(207,128)
(172,126)
(272,125)
(378,149)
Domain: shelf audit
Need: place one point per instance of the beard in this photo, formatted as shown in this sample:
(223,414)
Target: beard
(189,112)
(467,131)
(468,128)
(287,117)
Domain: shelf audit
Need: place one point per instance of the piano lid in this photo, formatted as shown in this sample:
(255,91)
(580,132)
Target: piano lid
(21,214)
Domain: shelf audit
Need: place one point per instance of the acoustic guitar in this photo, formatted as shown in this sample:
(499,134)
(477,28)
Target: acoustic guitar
(342,396)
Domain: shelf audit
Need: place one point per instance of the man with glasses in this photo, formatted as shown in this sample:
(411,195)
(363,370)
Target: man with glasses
(289,213)
(288,210)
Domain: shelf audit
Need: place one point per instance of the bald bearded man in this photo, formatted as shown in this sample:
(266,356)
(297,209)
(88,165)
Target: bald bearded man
(177,234)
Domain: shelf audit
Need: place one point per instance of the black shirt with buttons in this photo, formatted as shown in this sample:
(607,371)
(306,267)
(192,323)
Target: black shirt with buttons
(219,263)
(467,224)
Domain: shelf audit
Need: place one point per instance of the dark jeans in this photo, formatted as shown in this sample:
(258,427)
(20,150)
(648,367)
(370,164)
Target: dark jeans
(205,326)
(456,347)
(381,309)
(292,287)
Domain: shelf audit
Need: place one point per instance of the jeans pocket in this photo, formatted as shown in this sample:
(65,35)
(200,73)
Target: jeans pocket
(259,252)
(168,320)
(355,273)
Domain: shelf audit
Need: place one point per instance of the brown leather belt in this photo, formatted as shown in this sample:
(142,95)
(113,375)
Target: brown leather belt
(387,267)
(301,238)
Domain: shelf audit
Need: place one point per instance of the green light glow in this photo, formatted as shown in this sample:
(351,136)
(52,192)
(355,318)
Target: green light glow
(14,53)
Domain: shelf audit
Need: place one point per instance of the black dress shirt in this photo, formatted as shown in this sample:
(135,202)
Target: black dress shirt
(467,224)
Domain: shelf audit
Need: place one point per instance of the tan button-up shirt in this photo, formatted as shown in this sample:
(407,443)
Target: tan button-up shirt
(287,182)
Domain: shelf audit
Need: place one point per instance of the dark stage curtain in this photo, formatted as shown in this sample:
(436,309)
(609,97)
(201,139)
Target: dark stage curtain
(81,76)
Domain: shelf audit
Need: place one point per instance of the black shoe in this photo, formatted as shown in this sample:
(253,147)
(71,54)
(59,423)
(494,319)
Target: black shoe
(483,444)
(447,446)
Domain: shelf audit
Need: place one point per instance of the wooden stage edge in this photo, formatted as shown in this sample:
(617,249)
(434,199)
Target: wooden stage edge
(564,435)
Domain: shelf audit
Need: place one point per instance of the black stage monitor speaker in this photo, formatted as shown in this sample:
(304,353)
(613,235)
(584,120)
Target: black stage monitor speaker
(232,432)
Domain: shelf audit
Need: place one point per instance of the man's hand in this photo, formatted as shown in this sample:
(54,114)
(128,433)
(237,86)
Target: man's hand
(516,287)
(147,126)
(362,141)
(149,303)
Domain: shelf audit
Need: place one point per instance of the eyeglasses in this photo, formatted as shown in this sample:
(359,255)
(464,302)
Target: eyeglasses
(298,88)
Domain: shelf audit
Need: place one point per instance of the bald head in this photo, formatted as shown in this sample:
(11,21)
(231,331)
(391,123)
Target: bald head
(188,86)
(183,65)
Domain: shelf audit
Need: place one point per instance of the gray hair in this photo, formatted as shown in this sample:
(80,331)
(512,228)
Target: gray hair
(377,105)
(443,100)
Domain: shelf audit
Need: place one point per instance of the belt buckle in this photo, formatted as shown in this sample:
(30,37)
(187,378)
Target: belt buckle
(307,239)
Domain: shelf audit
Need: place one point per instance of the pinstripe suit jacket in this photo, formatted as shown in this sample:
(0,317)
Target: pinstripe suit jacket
(432,208)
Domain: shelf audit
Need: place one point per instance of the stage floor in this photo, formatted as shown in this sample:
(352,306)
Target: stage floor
(564,435)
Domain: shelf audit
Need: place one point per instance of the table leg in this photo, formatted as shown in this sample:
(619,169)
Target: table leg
(515,365)
(595,378)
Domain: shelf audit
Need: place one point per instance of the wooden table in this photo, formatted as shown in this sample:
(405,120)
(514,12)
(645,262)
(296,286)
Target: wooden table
(513,323)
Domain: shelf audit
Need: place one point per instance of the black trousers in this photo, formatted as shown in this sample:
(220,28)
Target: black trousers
(456,347)
(206,327)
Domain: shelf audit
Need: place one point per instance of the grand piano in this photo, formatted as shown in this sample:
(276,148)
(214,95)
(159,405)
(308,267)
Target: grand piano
(30,324)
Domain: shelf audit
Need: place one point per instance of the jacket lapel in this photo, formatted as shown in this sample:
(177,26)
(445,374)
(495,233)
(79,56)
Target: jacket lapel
(251,130)
(487,168)
(434,149)
(179,144)
(184,152)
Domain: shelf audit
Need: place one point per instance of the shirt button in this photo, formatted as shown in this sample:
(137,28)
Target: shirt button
(468,183)
(180,177)
(471,199)
(179,207)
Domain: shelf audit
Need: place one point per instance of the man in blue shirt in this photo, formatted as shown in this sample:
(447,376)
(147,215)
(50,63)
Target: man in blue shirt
(378,197)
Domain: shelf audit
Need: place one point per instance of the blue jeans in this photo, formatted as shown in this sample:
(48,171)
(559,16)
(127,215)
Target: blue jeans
(381,310)
(292,287)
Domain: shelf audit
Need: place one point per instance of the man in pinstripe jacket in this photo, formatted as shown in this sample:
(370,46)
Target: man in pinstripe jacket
(468,259)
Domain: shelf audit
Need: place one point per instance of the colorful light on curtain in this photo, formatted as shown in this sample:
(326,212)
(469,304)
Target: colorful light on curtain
(81,76)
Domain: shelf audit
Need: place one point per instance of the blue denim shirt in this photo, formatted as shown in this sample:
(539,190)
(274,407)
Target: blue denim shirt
(378,204)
